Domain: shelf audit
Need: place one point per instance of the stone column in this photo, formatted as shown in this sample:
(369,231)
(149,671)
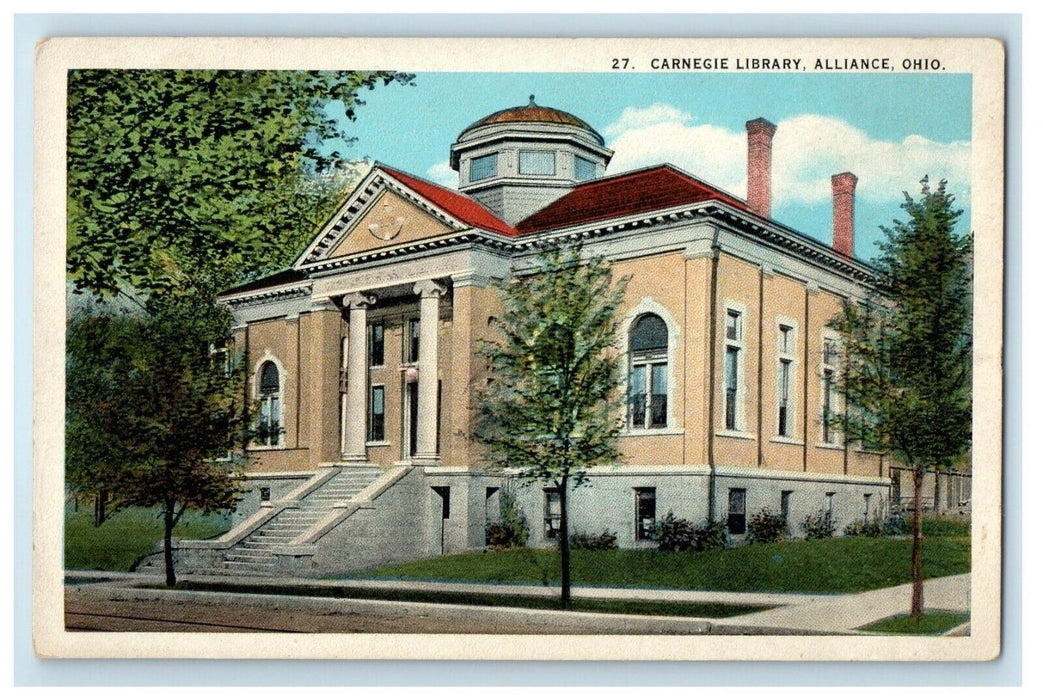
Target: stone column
(358,378)
(427,381)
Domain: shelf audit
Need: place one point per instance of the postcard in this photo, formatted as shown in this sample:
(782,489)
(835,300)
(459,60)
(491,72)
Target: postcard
(635,349)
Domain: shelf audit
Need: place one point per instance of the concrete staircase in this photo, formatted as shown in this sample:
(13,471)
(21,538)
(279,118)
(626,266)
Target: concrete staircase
(253,555)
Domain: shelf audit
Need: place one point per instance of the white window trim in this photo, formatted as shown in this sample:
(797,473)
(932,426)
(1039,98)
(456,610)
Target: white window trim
(255,383)
(794,367)
(740,370)
(648,305)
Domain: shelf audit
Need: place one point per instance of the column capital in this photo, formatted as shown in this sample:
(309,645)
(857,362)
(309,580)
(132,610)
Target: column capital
(358,300)
(429,288)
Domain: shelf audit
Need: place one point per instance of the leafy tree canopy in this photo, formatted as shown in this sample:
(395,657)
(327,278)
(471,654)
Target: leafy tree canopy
(908,350)
(175,171)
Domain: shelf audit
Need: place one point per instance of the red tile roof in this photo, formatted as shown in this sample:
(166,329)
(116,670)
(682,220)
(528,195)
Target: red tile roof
(457,205)
(635,192)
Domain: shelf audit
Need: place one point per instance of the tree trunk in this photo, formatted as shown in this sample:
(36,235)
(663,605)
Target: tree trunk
(99,508)
(168,549)
(563,546)
(936,509)
(917,603)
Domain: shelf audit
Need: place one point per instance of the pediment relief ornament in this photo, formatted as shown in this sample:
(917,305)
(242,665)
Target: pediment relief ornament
(388,225)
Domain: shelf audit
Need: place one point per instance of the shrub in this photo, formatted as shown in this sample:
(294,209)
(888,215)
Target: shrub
(595,543)
(896,525)
(680,535)
(818,526)
(873,528)
(512,530)
(946,527)
(675,534)
(767,527)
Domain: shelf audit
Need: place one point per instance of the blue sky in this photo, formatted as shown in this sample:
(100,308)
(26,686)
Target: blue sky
(890,130)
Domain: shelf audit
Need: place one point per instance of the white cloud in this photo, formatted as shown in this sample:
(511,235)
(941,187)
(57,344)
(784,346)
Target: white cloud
(806,152)
(634,118)
(443,175)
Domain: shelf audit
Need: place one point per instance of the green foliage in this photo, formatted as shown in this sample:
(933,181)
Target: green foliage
(594,543)
(551,407)
(837,565)
(766,527)
(124,538)
(872,528)
(673,534)
(175,171)
(907,353)
(152,411)
(818,526)
(512,530)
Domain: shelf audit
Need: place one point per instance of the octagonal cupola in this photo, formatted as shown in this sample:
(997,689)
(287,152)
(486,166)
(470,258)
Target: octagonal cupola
(519,160)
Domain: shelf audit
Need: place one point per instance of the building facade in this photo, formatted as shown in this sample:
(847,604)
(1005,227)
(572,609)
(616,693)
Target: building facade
(362,356)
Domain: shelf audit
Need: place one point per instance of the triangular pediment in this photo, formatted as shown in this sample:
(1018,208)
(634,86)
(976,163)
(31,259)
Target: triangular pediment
(382,212)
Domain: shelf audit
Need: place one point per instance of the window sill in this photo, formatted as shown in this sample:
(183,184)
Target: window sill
(736,434)
(265,448)
(651,432)
(783,440)
(378,443)
(830,446)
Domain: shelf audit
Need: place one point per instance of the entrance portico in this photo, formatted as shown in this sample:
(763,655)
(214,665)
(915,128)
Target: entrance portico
(356,403)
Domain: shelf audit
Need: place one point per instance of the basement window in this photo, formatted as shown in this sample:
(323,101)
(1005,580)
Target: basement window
(736,511)
(551,513)
(645,511)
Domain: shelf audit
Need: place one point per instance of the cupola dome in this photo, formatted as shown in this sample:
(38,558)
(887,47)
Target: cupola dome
(518,160)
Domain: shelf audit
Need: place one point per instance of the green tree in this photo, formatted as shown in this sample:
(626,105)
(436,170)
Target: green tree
(552,407)
(906,352)
(154,409)
(175,171)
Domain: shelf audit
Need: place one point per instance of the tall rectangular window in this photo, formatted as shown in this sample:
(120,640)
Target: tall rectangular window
(483,167)
(551,513)
(731,387)
(412,340)
(644,511)
(585,169)
(536,162)
(649,340)
(376,344)
(784,398)
(830,354)
(736,511)
(733,346)
(376,414)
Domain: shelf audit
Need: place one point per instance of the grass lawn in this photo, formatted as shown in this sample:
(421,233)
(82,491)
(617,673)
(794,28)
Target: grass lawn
(622,607)
(930,623)
(125,537)
(840,565)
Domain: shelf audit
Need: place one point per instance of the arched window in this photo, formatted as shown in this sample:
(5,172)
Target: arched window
(269,429)
(648,372)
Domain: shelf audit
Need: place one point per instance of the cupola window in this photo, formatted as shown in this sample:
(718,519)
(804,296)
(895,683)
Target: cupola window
(536,162)
(483,168)
(585,169)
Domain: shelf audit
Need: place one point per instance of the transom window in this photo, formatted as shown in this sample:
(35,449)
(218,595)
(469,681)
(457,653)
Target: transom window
(648,372)
(268,391)
(483,167)
(536,162)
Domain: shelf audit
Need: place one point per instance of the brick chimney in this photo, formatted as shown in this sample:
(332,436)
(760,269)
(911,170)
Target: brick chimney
(844,213)
(758,165)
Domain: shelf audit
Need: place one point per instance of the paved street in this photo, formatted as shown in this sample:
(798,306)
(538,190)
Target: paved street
(118,602)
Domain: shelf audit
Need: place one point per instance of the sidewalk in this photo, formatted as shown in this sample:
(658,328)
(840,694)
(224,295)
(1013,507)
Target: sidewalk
(791,613)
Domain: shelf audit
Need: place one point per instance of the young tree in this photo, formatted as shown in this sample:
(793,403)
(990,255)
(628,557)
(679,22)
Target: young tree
(552,408)
(153,409)
(224,170)
(907,350)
